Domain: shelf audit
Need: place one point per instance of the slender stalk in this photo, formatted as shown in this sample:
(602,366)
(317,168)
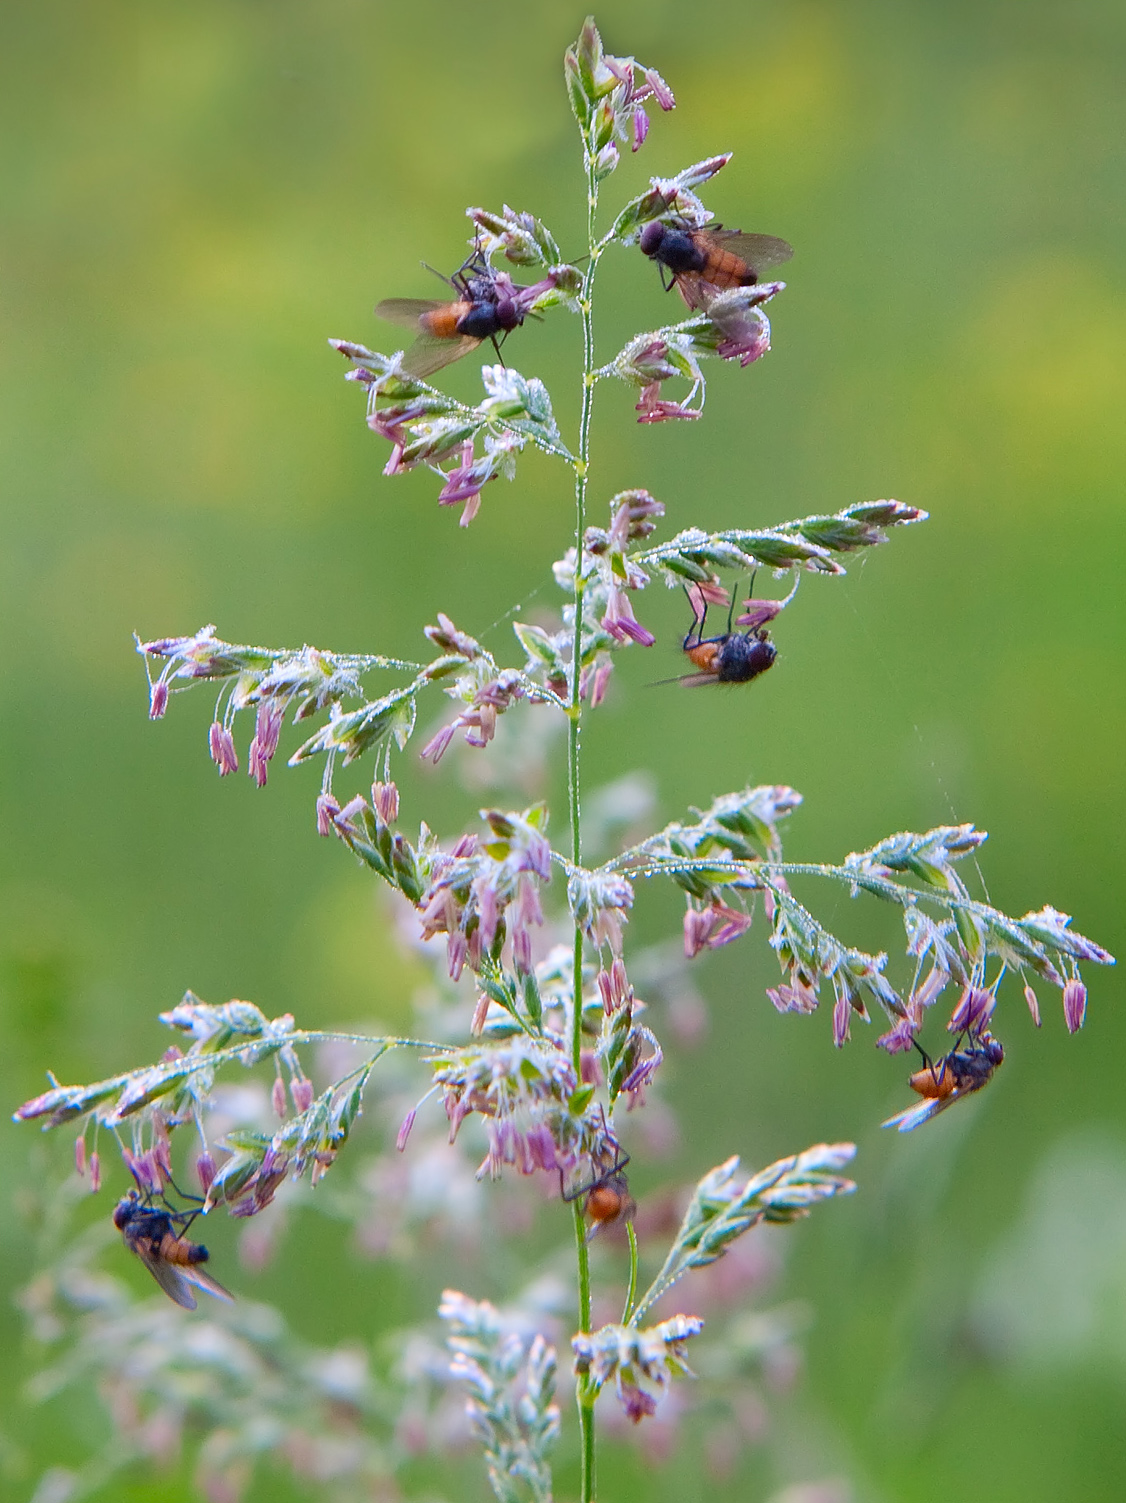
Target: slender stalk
(583,1399)
(585,1402)
(631,1293)
(582,465)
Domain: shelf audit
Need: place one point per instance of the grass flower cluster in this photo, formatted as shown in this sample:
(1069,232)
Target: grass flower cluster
(553,1043)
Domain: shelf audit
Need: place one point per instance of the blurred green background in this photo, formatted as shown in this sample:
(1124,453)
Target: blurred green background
(195,197)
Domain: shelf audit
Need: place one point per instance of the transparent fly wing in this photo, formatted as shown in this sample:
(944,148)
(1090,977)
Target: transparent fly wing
(429,353)
(760,252)
(195,1275)
(171,1278)
(693,289)
(915,1116)
(406,311)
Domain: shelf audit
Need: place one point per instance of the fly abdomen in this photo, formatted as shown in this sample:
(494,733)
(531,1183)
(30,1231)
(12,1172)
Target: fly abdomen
(445,322)
(722,268)
(180,1250)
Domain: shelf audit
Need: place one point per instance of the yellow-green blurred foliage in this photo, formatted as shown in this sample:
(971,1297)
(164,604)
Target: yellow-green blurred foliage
(195,196)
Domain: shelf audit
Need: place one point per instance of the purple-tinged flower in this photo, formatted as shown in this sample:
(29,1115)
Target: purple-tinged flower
(525,1076)
(649,364)
(146,1171)
(660,89)
(615,987)
(745,334)
(436,748)
(205,1171)
(928,991)
(275,1167)
(654,410)
(385,801)
(900,1038)
(277,1096)
(80,1155)
(640,128)
(522,952)
(464,483)
(974,1009)
(161,1149)
(525,298)
(527,1150)
(479,722)
(541,1147)
(266,732)
(1074,1004)
(439,913)
(267,729)
(600,901)
(622,69)
(759,613)
(449,639)
(796,996)
(488,909)
(405,1130)
(632,1358)
(95,1173)
(301,1089)
(697,927)
(457,951)
(344,817)
(620,621)
(1033,1004)
(713,927)
(636,1403)
(644,1071)
(629,522)
(480,725)
(727,924)
(605,986)
(598,682)
(476,1029)
(221,745)
(327,810)
(158,699)
(706,592)
(842,1017)
(389,422)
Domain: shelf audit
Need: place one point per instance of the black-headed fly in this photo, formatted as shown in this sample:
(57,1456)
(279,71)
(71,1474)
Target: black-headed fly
(943,1081)
(487,305)
(702,262)
(156,1234)
(733,657)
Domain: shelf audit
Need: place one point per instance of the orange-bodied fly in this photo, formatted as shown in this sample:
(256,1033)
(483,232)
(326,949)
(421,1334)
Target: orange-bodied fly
(702,262)
(488,304)
(943,1081)
(156,1234)
(732,657)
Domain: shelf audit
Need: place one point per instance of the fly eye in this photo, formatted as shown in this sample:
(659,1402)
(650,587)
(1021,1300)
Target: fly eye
(508,315)
(651,236)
